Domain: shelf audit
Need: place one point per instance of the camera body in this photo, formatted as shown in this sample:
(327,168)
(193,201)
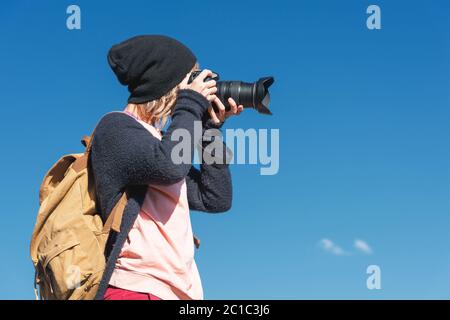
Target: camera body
(196,73)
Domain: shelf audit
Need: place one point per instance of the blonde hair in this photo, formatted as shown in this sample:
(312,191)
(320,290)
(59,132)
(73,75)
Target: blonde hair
(156,112)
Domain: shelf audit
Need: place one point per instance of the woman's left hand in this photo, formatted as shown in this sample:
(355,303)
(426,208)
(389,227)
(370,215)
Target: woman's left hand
(220,116)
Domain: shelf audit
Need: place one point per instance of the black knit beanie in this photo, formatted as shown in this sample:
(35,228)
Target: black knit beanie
(150,65)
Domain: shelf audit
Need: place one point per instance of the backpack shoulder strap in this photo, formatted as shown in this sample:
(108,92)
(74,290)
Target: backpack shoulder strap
(115,217)
(82,162)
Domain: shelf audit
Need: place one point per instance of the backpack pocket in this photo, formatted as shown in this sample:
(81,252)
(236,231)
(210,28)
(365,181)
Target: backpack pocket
(65,265)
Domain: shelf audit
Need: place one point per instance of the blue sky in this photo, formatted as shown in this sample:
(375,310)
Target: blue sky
(363,118)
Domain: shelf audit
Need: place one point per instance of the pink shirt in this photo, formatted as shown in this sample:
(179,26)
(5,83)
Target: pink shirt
(158,256)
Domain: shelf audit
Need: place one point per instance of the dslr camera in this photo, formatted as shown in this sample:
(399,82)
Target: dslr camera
(251,95)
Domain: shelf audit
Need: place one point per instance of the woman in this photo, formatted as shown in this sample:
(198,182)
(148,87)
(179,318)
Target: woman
(152,257)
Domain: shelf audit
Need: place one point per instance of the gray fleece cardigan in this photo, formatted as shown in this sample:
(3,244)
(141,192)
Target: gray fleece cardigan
(124,155)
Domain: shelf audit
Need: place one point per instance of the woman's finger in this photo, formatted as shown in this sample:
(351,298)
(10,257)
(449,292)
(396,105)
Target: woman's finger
(210,91)
(230,113)
(221,108)
(219,104)
(201,77)
(233,106)
(210,83)
(213,115)
(232,103)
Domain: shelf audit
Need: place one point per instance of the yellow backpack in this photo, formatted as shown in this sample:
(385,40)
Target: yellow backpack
(69,238)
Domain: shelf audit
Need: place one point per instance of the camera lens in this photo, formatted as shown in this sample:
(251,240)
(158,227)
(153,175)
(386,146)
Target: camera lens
(250,95)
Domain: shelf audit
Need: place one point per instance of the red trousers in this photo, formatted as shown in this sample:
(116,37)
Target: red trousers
(114,293)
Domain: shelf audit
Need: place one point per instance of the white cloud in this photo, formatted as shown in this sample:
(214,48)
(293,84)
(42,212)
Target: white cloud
(362,246)
(330,246)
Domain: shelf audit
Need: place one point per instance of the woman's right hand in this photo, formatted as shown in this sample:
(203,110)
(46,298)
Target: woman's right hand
(207,89)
